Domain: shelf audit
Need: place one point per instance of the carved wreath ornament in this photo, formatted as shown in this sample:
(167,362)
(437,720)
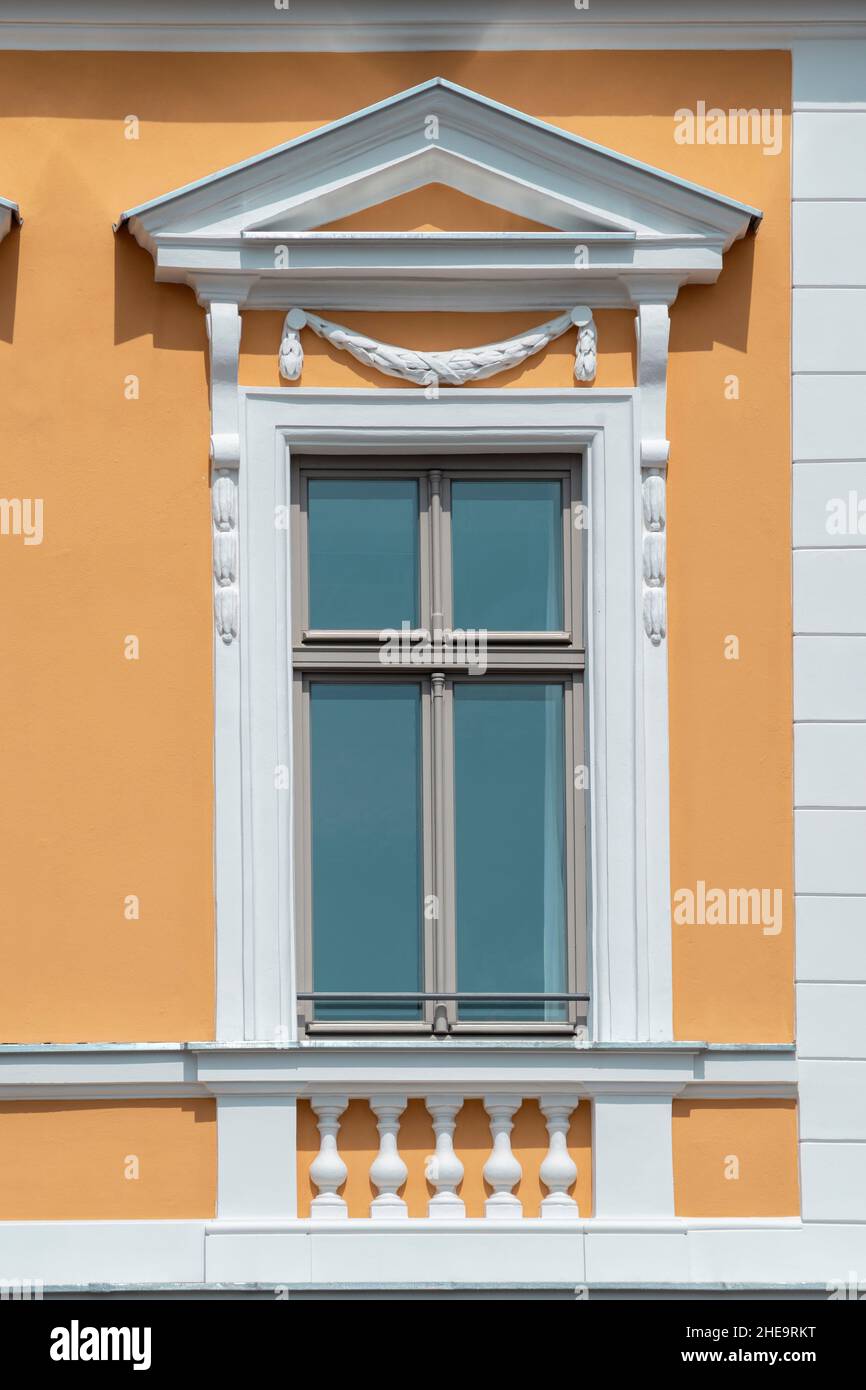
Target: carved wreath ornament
(452,368)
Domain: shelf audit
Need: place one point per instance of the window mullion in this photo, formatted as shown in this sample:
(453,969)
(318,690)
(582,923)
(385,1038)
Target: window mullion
(437,682)
(437,619)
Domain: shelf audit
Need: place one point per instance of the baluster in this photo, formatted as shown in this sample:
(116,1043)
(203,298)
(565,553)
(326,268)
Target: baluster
(502,1170)
(388,1172)
(558,1169)
(327,1170)
(443,1170)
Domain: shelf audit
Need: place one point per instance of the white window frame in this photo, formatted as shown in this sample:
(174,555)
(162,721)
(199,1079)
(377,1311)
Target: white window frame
(515,657)
(629,931)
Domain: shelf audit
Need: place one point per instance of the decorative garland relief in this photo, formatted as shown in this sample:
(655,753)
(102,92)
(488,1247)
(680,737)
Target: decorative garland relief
(452,368)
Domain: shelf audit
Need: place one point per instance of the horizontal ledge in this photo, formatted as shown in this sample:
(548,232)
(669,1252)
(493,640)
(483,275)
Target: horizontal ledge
(634,1089)
(421,1287)
(527,1225)
(266,1046)
(542,394)
(435,997)
(314,238)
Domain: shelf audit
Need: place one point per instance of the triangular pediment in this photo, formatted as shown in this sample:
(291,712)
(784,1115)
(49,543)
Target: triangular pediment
(547,189)
(439,133)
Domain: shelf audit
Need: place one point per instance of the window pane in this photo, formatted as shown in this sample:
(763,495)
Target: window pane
(366,843)
(506,541)
(509,758)
(363,549)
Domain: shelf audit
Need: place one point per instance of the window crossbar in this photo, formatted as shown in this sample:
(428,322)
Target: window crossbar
(438,995)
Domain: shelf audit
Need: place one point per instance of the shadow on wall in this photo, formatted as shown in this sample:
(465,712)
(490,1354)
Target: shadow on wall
(168,314)
(10,250)
(707,314)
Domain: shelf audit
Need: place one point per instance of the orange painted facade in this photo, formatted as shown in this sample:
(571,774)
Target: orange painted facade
(107,1160)
(735,1158)
(108,761)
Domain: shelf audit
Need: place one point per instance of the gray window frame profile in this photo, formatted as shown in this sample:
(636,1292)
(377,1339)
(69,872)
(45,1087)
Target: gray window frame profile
(511,657)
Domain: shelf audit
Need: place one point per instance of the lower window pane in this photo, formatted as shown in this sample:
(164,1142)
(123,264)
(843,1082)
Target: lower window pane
(366,844)
(509,762)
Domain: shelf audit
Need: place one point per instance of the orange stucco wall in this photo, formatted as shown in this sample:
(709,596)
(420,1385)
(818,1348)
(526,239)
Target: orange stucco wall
(107,1160)
(107,762)
(359,1143)
(735,1158)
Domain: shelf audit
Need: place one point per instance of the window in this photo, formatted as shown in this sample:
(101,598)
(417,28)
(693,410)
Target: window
(438,657)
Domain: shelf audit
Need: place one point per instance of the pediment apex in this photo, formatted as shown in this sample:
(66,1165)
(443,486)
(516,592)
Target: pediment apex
(441,132)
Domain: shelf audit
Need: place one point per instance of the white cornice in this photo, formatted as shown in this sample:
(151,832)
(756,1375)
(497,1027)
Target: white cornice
(58,1071)
(450,25)
(9,213)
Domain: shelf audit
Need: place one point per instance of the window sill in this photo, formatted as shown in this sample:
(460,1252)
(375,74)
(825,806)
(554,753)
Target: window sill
(363,1032)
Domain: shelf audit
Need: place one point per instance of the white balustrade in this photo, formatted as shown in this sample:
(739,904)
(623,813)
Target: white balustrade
(388,1172)
(443,1170)
(327,1170)
(502,1171)
(558,1170)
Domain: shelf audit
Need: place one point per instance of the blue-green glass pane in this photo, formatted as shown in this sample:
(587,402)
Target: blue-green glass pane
(506,541)
(362,540)
(509,769)
(366,844)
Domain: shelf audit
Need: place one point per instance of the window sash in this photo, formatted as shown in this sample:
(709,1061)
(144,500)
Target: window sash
(575,860)
(435,559)
(511,658)
(304,856)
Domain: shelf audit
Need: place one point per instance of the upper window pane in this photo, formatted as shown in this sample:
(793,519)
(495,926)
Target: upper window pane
(506,542)
(363,552)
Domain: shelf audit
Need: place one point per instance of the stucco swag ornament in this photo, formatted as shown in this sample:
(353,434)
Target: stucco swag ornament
(453,368)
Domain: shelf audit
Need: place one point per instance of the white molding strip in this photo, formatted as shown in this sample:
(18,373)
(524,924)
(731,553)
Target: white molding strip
(452,368)
(224,325)
(652,328)
(455,25)
(224,337)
